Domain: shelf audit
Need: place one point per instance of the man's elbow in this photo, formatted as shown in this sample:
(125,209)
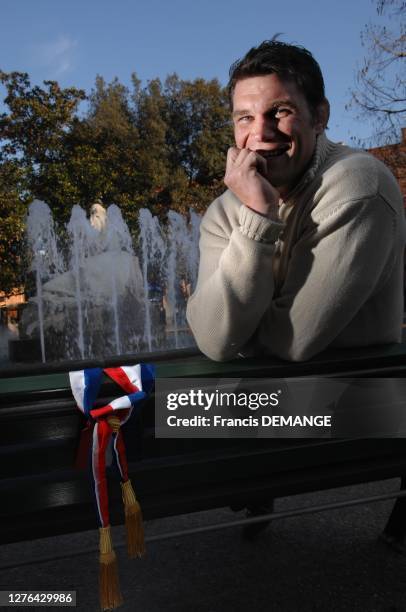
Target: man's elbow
(216,352)
(299,357)
(208,341)
(295,352)
(304,352)
(215,349)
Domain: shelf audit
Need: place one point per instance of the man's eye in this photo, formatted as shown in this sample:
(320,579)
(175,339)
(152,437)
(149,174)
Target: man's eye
(282,112)
(244,119)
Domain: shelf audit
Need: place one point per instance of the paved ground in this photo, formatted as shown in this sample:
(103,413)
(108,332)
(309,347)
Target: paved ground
(330,561)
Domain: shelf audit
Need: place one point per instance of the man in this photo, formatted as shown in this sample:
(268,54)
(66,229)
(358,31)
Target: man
(305,248)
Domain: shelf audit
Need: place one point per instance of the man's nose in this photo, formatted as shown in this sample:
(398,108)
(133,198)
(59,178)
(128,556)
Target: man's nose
(264,129)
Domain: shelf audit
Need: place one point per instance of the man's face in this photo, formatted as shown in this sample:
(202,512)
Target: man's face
(272,117)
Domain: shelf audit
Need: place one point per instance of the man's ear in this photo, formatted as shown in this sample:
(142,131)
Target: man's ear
(322,116)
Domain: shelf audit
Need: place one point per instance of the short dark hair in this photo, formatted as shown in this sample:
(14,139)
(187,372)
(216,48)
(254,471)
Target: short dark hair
(289,62)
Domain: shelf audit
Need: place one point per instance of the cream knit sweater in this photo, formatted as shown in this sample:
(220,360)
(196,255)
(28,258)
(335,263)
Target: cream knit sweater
(330,274)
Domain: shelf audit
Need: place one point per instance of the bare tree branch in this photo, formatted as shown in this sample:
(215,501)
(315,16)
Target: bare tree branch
(379,92)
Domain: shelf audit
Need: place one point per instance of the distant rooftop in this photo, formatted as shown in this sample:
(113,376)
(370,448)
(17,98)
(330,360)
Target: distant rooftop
(394,156)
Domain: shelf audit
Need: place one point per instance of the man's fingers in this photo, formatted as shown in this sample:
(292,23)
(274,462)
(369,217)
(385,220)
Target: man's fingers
(232,155)
(242,157)
(246,177)
(255,161)
(252,160)
(245,157)
(235,157)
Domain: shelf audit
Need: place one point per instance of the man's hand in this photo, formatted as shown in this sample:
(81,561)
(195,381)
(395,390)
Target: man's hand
(244,176)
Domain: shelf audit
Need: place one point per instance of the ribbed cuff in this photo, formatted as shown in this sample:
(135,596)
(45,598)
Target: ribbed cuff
(257,227)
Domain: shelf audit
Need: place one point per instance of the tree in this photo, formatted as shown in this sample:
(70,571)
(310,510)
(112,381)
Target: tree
(199,134)
(152,148)
(380,90)
(33,136)
(13,208)
(102,149)
(199,127)
(34,129)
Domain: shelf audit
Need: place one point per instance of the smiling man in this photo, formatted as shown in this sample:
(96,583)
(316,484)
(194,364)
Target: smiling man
(305,248)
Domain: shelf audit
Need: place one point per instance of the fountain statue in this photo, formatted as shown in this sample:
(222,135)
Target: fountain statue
(96,295)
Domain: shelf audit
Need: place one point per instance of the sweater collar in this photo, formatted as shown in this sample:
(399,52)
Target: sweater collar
(321,150)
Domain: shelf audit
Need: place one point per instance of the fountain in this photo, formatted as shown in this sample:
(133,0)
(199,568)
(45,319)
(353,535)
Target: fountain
(97,294)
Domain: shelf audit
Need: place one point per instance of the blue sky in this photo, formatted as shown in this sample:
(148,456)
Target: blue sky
(73,41)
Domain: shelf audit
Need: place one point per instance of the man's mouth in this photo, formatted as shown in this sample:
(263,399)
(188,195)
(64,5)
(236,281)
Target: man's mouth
(274,152)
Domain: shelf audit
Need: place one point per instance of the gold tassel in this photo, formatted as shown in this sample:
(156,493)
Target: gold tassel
(110,594)
(133,521)
(114,422)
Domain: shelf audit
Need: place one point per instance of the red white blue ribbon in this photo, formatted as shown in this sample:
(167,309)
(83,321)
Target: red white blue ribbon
(136,381)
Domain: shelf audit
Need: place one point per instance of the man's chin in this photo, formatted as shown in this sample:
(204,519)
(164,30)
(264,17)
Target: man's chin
(276,178)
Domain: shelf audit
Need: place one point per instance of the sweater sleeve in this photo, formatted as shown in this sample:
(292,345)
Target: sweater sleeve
(235,285)
(339,262)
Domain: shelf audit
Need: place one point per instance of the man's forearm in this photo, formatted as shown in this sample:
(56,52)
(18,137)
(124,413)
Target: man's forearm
(235,285)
